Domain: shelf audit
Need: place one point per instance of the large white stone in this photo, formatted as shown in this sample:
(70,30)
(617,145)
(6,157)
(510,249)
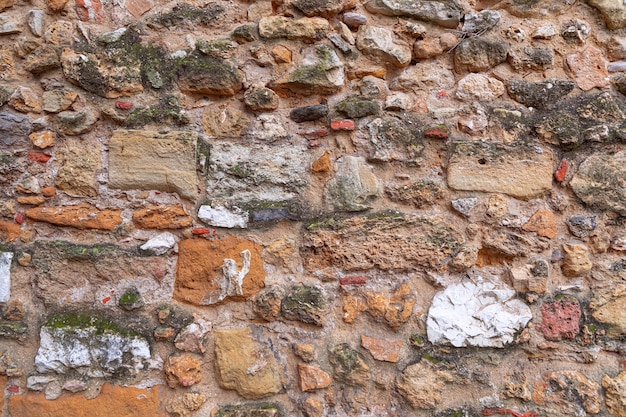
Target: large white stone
(480,314)
(160,243)
(220,216)
(5,276)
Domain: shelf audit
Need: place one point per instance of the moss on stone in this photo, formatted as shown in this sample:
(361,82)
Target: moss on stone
(84,320)
(77,251)
(356,107)
(187,13)
(166,111)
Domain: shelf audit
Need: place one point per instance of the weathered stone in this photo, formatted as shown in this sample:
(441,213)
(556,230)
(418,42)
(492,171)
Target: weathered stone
(220,216)
(217,48)
(192,337)
(576,261)
(479,54)
(530,58)
(25,100)
(382,349)
(185,404)
(320,72)
(160,244)
(131,299)
(268,302)
(429,76)
(188,14)
(201,74)
(162,217)
(615,392)
(14,129)
(75,123)
(324,8)
(589,68)
(421,384)
(56,101)
(394,139)
(5,276)
(249,410)
(349,367)
(312,377)
(308,113)
(464,205)
(208,272)
(392,308)
(543,222)
(82,216)
(581,225)
(575,31)
(9,231)
(614,12)
(520,171)
(479,23)
(245,33)
(560,128)
(223,122)
(182,370)
(540,95)
(59,32)
(261,99)
(527,278)
(112,400)
(245,365)
(560,319)
(601,180)
(79,161)
(42,140)
(567,393)
(267,128)
(607,307)
(420,193)
(474,87)
(305,304)
(354,185)
(378,43)
(446,13)
(5,4)
(356,107)
(307,29)
(43,59)
(9,25)
(100,76)
(313,407)
(148,160)
(35,22)
(476,314)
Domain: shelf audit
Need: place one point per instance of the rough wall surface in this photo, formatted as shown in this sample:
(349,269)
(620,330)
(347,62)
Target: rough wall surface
(312,208)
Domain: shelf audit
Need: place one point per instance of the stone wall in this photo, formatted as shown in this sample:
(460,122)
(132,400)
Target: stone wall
(312,208)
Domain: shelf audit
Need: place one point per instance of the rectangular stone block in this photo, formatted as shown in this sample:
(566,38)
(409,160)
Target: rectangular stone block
(150,160)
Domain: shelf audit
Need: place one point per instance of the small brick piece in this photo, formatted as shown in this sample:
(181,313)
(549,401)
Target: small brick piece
(561,171)
(353,280)
(123,105)
(345,124)
(315,133)
(437,132)
(38,157)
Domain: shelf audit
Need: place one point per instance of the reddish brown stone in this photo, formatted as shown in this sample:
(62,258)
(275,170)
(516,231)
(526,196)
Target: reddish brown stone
(56,5)
(437,132)
(5,4)
(112,401)
(382,349)
(560,318)
(543,222)
(138,7)
(82,216)
(322,164)
(31,200)
(9,232)
(184,370)
(49,191)
(394,309)
(200,267)
(123,105)
(353,280)
(162,217)
(589,68)
(315,133)
(345,124)
(38,157)
(89,10)
(312,377)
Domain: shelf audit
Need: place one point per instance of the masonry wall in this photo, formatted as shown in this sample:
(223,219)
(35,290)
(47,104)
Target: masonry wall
(312,208)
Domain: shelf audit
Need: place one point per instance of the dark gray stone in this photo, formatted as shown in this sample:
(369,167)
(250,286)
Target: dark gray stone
(540,95)
(356,107)
(581,225)
(14,129)
(480,22)
(479,54)
(308,113)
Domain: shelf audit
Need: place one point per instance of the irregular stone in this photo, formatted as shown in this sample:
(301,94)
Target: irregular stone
(576,261)
(281,54)
(581,225)
(543,222)
(354,185)
(421,384)
(185,404)
(305,304)
(349,367)
(429,76)
(13,129)
(464,205)
(71,341)
(607,307)
(35,22)
(497,206)
(476,314)
(182,370)
(519,171)
(268,303)
(428,48)
(324,8)
(9,25)
(313,407)
(42,59)
(245,33)
(394,308)
(378,43)
(42,140)
(356,107)
(356,244)
(446,13)
(131,299)
(160,244)
(25,100)
(615,393)
(600,181)
(382,349)
(245,365)
(613,12)
(320,72)
(5,4)
(479,23)
(479,54)
(249,410)
(56,101)
(201,74)
(223,122)
(474,87)
(547,31)
(525,279)
(560,128)
(59,32)
(75,123)
(9,231)
(261,99)
(541,94)
(208,272)
(192,337)
(394,139)
(79,161)
(148,160)
(398,101)
(312,377)
(188,14)
(267,128)
(5,276)
(99,76)
(589,68)
(567,393)
(354,20)
(112,400)
(308,29)
(308,113)
(162,217)
(531,58)
(220,216)
(560,319)
(420,193)
(81,216)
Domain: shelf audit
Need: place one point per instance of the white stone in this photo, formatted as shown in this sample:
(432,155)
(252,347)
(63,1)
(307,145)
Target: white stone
(267,128)
(9,24)
(429,76)
(480,314)
(398,101)
(5,276)
(379,42)
(479,87)
(160,243)
(35,22)
(220,216)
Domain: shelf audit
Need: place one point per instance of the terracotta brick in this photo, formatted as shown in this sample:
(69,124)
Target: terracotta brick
(82,216)
(162,217)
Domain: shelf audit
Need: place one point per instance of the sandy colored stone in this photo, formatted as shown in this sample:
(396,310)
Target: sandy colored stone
(48,191)
(138,7)
(543,222)
(557,389)
(25,100)
(479,87)
(600,181)
(312,377)
(589,68)
(113,401)
(392,308)
(82,216)
(162,217)
(608,308)
(56,5)
(5,4)
(224,122)
(200,277)
(382,349)
(281,54)
(497,206)
(576,261)
(9,231)
(305,351)
(421,384)
(31,200)
(79,161)
(150,160)
(322,164)
(615,393)
(182,370)
(313,407)
(184,405)
(306,28)
(282,251)
(246,366)
(42,140)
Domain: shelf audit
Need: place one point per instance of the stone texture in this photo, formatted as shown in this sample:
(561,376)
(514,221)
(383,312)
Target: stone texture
(243,364)
(600,181)
(148,160)
(220,216)
(543,222)
(531,58)
(576,261)
(261,99)
(324,8)
(614,12)
(42,59)
(394,139)
(304,304)
(160,244)
(182,370)
(560,319)
(185,404)
(539,95)
(162,217)
(349,367)
(519,171)
(393,308)
(13,128)
(423,76)
(207,273)
(9,231)
(312,378)
(567,393)
(201,74)
(479,54)
(421,384)
(479,87)
(5,276)
(354,185)
(77,122)
(56,101)
(588,68)
(476,314)
(378,43)
(382,349)
(193,337)
(607,307)
(308,113)
(224,122)
(81,216)
(307,28)
(420,193)
(42,140)
(25,100)
(319,72)
(113,399)
(446,13)
(79,161)
(615,394)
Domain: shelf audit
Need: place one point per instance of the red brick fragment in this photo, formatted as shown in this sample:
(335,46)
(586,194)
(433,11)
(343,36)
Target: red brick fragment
(199,231)
(345,124)
(123,105)
(561,318)
(437,132)
(89,10)
(20,217)
(315,133)
(353,280)
(561,171)
(38,157)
